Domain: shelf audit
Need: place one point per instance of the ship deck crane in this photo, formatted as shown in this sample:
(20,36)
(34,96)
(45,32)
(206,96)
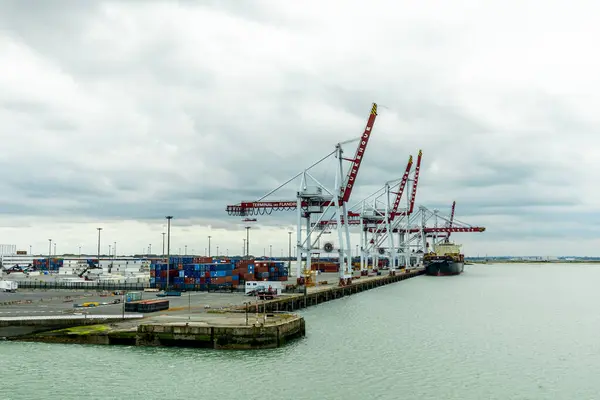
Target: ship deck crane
(314,198)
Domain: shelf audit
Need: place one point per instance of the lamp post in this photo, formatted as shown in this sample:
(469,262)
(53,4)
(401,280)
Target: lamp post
(79,251)
(99,230)
(244,248)
(49,254)
(209,245)
(246,303)
(248,241)
(169,218)
(217,251)
(289,250)
(115,249)
(185,250)
(55,249)
(270,251)
(163,253)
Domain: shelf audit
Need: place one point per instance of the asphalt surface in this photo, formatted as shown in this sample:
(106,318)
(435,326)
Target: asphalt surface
(58,302)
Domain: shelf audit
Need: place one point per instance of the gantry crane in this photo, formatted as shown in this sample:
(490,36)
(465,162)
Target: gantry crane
(417,230)
(313,198)
(380,222)
(373,217)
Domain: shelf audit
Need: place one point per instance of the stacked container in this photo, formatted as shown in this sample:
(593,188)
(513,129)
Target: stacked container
(271,270)
(324,266)
(185,274)
(42,264)
(190,274)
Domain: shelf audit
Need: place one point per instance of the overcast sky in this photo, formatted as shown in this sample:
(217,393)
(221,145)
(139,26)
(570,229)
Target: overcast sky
(115,114)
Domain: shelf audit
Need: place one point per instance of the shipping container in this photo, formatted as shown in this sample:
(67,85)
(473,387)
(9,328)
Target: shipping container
(133,296)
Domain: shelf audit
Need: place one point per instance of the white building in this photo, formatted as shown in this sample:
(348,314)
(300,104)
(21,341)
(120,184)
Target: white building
(22,260)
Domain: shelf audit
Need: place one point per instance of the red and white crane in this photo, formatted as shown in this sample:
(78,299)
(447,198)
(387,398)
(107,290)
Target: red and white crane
(416,231)
(378,223)
(377,213)
(313,198)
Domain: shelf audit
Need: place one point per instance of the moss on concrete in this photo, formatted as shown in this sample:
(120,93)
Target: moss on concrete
(80,330)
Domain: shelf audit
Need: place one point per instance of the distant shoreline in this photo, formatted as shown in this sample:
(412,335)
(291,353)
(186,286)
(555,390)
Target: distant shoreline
(532,262)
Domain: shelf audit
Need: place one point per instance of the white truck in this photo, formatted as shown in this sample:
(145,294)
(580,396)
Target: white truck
(252,287)
(8,286)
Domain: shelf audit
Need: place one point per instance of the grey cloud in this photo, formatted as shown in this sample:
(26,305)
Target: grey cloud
(190,138)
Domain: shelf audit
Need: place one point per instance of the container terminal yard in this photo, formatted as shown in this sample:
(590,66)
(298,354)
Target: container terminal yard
(239,302)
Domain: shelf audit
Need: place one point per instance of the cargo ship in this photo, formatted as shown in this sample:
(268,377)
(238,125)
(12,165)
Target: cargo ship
(446,259)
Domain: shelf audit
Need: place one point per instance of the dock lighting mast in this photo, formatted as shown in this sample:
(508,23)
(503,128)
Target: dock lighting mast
(209,245)
(247,241)
(169,218)
(99,230)
(289,250)
(314,198)
(49,253)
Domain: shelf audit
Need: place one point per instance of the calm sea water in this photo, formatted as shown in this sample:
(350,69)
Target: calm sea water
(495,332)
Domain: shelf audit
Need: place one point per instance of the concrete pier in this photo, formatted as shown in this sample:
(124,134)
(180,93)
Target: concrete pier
(24,326)
(217,331)
(227,331)
(317,295)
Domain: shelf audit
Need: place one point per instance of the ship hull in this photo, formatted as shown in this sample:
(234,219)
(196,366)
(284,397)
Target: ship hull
(444,267)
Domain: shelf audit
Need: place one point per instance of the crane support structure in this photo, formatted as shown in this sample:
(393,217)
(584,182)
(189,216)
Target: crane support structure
(354,218)
(378,223)
(314,198)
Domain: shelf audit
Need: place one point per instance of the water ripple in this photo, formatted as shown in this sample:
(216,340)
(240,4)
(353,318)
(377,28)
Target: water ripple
(496,332)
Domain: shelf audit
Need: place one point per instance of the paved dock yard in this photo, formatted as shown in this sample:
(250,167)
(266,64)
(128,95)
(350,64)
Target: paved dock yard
(60,301)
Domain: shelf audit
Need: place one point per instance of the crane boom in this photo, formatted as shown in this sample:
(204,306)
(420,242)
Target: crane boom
(434,230)
(401,189)
(414,188)
(451,218)
(360,152)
